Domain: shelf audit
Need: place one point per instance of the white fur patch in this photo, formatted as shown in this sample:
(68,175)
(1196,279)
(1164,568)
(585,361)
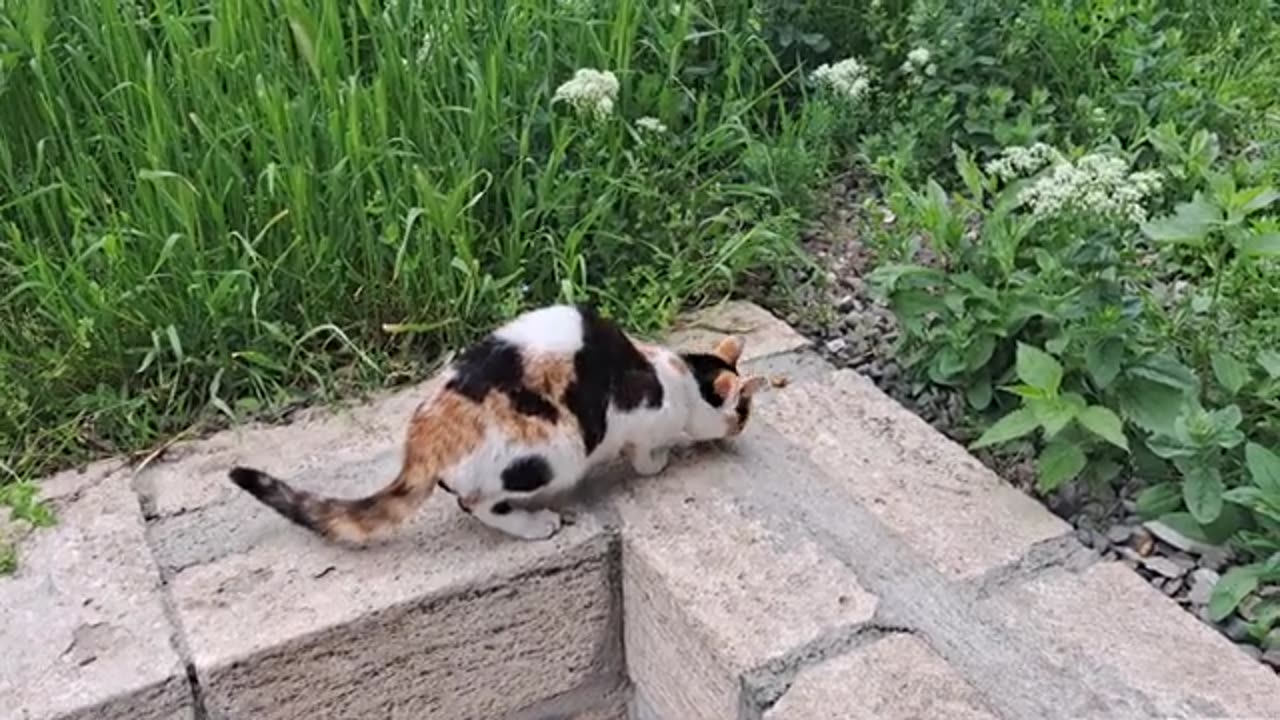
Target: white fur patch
(556,329)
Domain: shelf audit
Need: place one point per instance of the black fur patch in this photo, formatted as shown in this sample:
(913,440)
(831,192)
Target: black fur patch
(706,368)
(274,494)
(495,365)
(526,474)
(608,368)
(502,507)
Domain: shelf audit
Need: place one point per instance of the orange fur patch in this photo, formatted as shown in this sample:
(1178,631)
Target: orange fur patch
(724,384)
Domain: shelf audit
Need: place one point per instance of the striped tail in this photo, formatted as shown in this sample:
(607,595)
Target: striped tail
(352,521)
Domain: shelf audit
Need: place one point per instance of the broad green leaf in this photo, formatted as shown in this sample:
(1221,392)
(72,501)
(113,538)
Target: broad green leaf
(1246,495)
(1054,413)
(1202,490)
(1010,427)
(1038,368)
(1105,424)
(1166,370)
(1270,361)
(1190,223)
(1264,468)
(1169,447)
(1231,589)
(1151,405)
(1231,373)
(1186,525)
(978,393)
(1102,360)
(979,352)
(1025,391)
(1058,463)
(1261,244)
(1159,500)
(887,277)
(1256,198)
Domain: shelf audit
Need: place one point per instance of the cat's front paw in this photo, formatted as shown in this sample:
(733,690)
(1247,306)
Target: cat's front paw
(540,525)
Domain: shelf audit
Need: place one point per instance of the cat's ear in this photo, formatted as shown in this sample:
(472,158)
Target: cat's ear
(730,348)
(753,385)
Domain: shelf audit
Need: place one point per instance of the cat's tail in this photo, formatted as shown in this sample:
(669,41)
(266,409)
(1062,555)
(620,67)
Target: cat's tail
(353,521)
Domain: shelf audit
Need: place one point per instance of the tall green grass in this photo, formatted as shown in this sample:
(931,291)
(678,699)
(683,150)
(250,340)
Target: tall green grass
(213,209)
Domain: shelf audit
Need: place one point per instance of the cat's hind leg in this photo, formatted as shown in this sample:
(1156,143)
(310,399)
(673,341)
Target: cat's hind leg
(517,521)
(649,461)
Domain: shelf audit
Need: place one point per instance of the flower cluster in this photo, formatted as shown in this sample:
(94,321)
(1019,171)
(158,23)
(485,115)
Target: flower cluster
(1018,161)
(918,61)
(1097,184)
(590,92)
(849,78)
(651,124)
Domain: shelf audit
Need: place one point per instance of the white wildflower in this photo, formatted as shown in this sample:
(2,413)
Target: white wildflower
(849,77)
(1018,161)
(931,69)
(1097,184)
(590,92)
(917,62)
(651,124)
(918,57)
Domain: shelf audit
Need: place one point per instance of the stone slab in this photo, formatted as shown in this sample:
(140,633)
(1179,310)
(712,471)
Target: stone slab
(765,334)
(897,677)
(447,619)
(945,504)
(83,629)
(1109,617)
(712,593)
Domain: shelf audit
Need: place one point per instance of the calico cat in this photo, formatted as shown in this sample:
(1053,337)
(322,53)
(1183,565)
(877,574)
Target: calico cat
(527,411)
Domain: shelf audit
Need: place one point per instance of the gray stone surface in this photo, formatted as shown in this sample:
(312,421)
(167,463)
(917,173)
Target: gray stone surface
(894,678)
(942,501)
(83,632)
(711,593)
(1110,618)
(766,335)
(445,620)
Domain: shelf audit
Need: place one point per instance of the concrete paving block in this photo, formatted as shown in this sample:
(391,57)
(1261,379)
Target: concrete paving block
(929,490)
(765,334)
(897,677)
(712,593)
(83,630)
(1109,616)
(446,619)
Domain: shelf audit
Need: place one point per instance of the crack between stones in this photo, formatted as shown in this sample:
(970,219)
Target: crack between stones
(763,686)
(178,641)
(1064,553)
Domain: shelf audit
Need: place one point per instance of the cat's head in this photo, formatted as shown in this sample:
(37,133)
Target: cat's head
(723,405)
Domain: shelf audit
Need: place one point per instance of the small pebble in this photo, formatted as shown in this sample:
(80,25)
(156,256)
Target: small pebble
(1171,586)
(1214,558)
(1252,651)
(1272,658)
(836,345)
(779,381)
(1202,582)
(1143,543)
(1236,629)
(1119,534)
(1184,561)
(1163,566)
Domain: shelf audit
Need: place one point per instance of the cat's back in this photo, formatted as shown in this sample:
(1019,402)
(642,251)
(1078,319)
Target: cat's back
(551,330)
